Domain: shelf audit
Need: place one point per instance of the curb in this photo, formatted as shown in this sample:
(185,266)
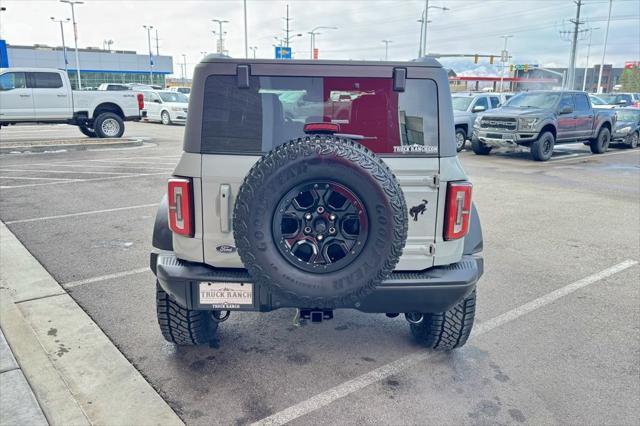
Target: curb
(76,373)
(71,145)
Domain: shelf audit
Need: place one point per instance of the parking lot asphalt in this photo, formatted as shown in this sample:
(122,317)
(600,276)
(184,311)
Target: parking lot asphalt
(87,216)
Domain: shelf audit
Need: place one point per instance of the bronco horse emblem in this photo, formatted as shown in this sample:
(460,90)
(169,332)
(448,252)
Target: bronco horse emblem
(419,209)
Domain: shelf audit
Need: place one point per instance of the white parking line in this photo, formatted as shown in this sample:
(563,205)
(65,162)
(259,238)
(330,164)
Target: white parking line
(62,216)
(34,178)
(84,180)
(85,160)
(593,156)
(151,163)
(96,166)
(105,277)
(347,388)
(69,172)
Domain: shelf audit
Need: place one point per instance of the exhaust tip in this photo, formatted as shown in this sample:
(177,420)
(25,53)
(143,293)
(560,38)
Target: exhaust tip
(414,317)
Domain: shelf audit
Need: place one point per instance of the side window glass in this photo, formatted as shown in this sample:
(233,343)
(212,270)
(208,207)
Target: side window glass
(581,102)
(494,102)
(566,101)
(46,80)
(482,102)
(13,80)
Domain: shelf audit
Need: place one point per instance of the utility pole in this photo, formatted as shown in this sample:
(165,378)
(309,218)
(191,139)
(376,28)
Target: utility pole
(149,28)
(75,36)
(386,49)
(184,63)
(586,65)
(221,42)
(504,58)
(424,26)
(157,44)
(246,37)
(64,46)
(287,30)
(604,49)
(574,46)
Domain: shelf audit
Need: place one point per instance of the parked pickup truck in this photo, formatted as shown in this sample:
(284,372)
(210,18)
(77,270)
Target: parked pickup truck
(41,95)
(539,120)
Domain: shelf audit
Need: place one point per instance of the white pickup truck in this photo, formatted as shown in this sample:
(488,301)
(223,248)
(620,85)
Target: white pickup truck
(42,95)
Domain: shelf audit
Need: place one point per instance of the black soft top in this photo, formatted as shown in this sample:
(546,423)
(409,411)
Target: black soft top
(421,62)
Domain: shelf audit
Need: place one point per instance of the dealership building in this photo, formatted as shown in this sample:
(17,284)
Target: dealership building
(97,66)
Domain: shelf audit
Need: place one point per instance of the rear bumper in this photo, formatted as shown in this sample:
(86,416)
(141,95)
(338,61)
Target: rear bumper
(434,290)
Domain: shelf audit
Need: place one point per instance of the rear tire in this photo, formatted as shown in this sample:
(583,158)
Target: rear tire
(461,139)
(87,131)
(542,148)
(479,148)
(601,143)
(180,325)
(109,125)
(447,330)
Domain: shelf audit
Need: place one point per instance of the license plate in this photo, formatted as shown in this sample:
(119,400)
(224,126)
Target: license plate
(494,135)
(226,295)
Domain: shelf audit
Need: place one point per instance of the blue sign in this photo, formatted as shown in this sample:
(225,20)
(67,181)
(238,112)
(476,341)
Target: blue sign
(283,52)
(4,57)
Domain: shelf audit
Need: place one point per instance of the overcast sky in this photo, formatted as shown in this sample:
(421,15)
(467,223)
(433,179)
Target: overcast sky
(470,26)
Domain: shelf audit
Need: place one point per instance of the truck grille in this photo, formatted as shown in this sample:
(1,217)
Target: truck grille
(498,123)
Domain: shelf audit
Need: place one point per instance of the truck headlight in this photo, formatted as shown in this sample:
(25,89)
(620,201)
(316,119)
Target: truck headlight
(527,123)
(176,109)
(625,130)
(476,123)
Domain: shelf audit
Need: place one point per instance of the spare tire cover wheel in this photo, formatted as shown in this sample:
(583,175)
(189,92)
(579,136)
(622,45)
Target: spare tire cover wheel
(321,219)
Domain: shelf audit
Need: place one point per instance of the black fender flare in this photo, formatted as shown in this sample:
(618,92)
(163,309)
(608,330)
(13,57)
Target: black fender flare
(473,242)
(162,235)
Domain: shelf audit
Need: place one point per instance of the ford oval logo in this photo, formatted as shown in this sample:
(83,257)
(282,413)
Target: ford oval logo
(226,249)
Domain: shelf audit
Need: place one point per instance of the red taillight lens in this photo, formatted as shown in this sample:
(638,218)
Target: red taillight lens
(140,101)
(181,206)
(328,128)
(457,210)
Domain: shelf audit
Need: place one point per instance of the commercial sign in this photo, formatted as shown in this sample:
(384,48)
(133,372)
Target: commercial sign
(283,52)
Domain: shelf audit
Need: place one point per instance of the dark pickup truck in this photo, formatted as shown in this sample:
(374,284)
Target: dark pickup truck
(540,119)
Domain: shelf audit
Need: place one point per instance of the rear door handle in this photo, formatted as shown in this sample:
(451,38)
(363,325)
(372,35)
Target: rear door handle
(62,96)
(25,96)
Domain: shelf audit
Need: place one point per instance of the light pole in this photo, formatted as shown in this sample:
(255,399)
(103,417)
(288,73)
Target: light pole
(586,66)
(426,21)
(2,9)
(184,63)
(504,58)
(220,22)
(246,36)
(107,43)
(604,48)
(253,49)
(64,46)
(386,49)
(149,28)
(203,53)
(313,33)
(75,36)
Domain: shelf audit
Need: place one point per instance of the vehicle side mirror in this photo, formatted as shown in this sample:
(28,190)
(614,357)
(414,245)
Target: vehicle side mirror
(478,108)
(158,101)
(622,102)
(566,110)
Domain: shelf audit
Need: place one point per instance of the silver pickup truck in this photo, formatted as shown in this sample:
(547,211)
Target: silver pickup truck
(540,119)
(43,95)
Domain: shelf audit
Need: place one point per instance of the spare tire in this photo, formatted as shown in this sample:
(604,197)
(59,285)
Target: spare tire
(321,220)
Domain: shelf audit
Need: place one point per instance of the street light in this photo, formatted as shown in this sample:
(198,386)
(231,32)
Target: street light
(253,49)
(75,36)
(386,49)
(2,9)
(108,44)
(426,21)
(149,28)
(313,33)
(504,58)
(220,22)
(586,66)
(604,50)
(64,46)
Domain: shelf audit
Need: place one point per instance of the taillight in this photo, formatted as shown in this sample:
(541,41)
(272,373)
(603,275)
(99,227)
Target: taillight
(140,101)
(457,210)
(181,206)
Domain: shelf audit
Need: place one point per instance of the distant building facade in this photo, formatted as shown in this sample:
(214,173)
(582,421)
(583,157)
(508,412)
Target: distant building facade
(610,77)
(97,66)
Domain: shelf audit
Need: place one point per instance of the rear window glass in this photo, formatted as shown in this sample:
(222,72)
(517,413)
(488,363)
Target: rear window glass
(46,80)
(274,110)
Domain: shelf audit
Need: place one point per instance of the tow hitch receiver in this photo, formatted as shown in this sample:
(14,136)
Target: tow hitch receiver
(316,315)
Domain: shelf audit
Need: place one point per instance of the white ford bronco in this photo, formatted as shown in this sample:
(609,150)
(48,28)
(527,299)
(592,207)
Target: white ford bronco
(318,185)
